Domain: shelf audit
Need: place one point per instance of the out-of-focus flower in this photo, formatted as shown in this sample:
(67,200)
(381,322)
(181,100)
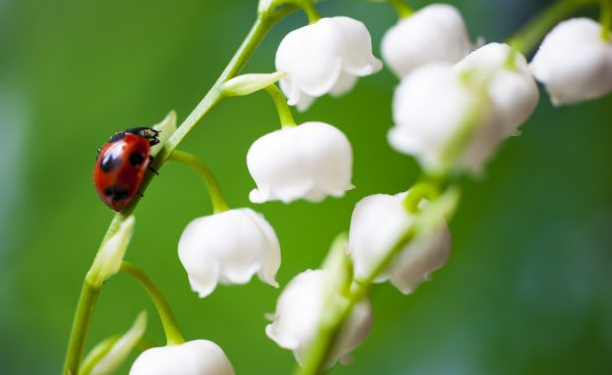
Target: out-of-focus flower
(229,248)
(430,107)
(324,57)
(197,357)
(511,88)
(299,311)
(574,62)
(377,223)
(309,161)
(435,33)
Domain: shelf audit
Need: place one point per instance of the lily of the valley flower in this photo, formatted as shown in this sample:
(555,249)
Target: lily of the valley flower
(198,357)
(324,57)
(229,248)
(491,90)
(299,311)
(435,33)
(429,108)
(574,62)
(377,223)
(510,85)
(309,161)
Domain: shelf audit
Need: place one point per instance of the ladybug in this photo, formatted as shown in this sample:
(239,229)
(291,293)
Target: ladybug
(121,165)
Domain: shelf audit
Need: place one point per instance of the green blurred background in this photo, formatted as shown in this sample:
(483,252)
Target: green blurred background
(528,289)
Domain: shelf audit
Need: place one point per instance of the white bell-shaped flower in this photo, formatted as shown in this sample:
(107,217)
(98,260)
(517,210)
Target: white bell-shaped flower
(429,107)
(511,88)
(299,311)
(324,57)
(435,33)
(309,161)
(229,248)
(574,62)
(377,223)
(197,357)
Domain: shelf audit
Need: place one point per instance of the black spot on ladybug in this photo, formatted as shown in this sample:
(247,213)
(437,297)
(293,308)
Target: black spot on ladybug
(136,158)
(116,192)
(109,162)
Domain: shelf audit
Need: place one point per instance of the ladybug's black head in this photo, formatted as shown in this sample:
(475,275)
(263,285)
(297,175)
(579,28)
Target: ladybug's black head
(148,133)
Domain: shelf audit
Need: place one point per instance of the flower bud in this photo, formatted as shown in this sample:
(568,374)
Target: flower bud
(511,88)
(116,350)
(435,33)
(109,257)
(198,357)
(299,312)
(574,62)
(308,161)
(324,57)
(377,223)
(229,248)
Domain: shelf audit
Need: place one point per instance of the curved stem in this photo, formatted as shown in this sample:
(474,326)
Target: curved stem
(402,9)
(309,10)
(529,37)
(284,112)
(80,325)
(214,190)
(605,18)
(173,333)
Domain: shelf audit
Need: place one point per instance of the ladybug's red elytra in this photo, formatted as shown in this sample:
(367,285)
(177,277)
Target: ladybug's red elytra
(121,165)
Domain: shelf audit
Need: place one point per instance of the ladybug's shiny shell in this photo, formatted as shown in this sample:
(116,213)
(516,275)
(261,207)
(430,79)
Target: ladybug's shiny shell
(122,164)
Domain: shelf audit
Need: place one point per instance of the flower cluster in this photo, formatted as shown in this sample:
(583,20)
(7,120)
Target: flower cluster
(455,103)
(454,107)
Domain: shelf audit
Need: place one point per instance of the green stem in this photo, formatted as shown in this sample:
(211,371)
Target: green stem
(214,190)
(402,9)
(173,333)
(605,18)
(529,37)
(80,325)
(422,190)
(82,317)
(284,112)
(309,9)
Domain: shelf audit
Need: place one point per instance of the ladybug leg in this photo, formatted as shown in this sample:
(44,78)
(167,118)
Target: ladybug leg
(151,168)
(140,194)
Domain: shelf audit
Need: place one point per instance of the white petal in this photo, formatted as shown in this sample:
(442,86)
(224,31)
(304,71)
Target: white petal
(299,311)
(198,357)
(377,223)
(309,57)
(356,46)
(417,261)
(344,84)
(429,106)
(324,57)
(229,247)
(435,33)
(309,161)
(574,62)
(513,92)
